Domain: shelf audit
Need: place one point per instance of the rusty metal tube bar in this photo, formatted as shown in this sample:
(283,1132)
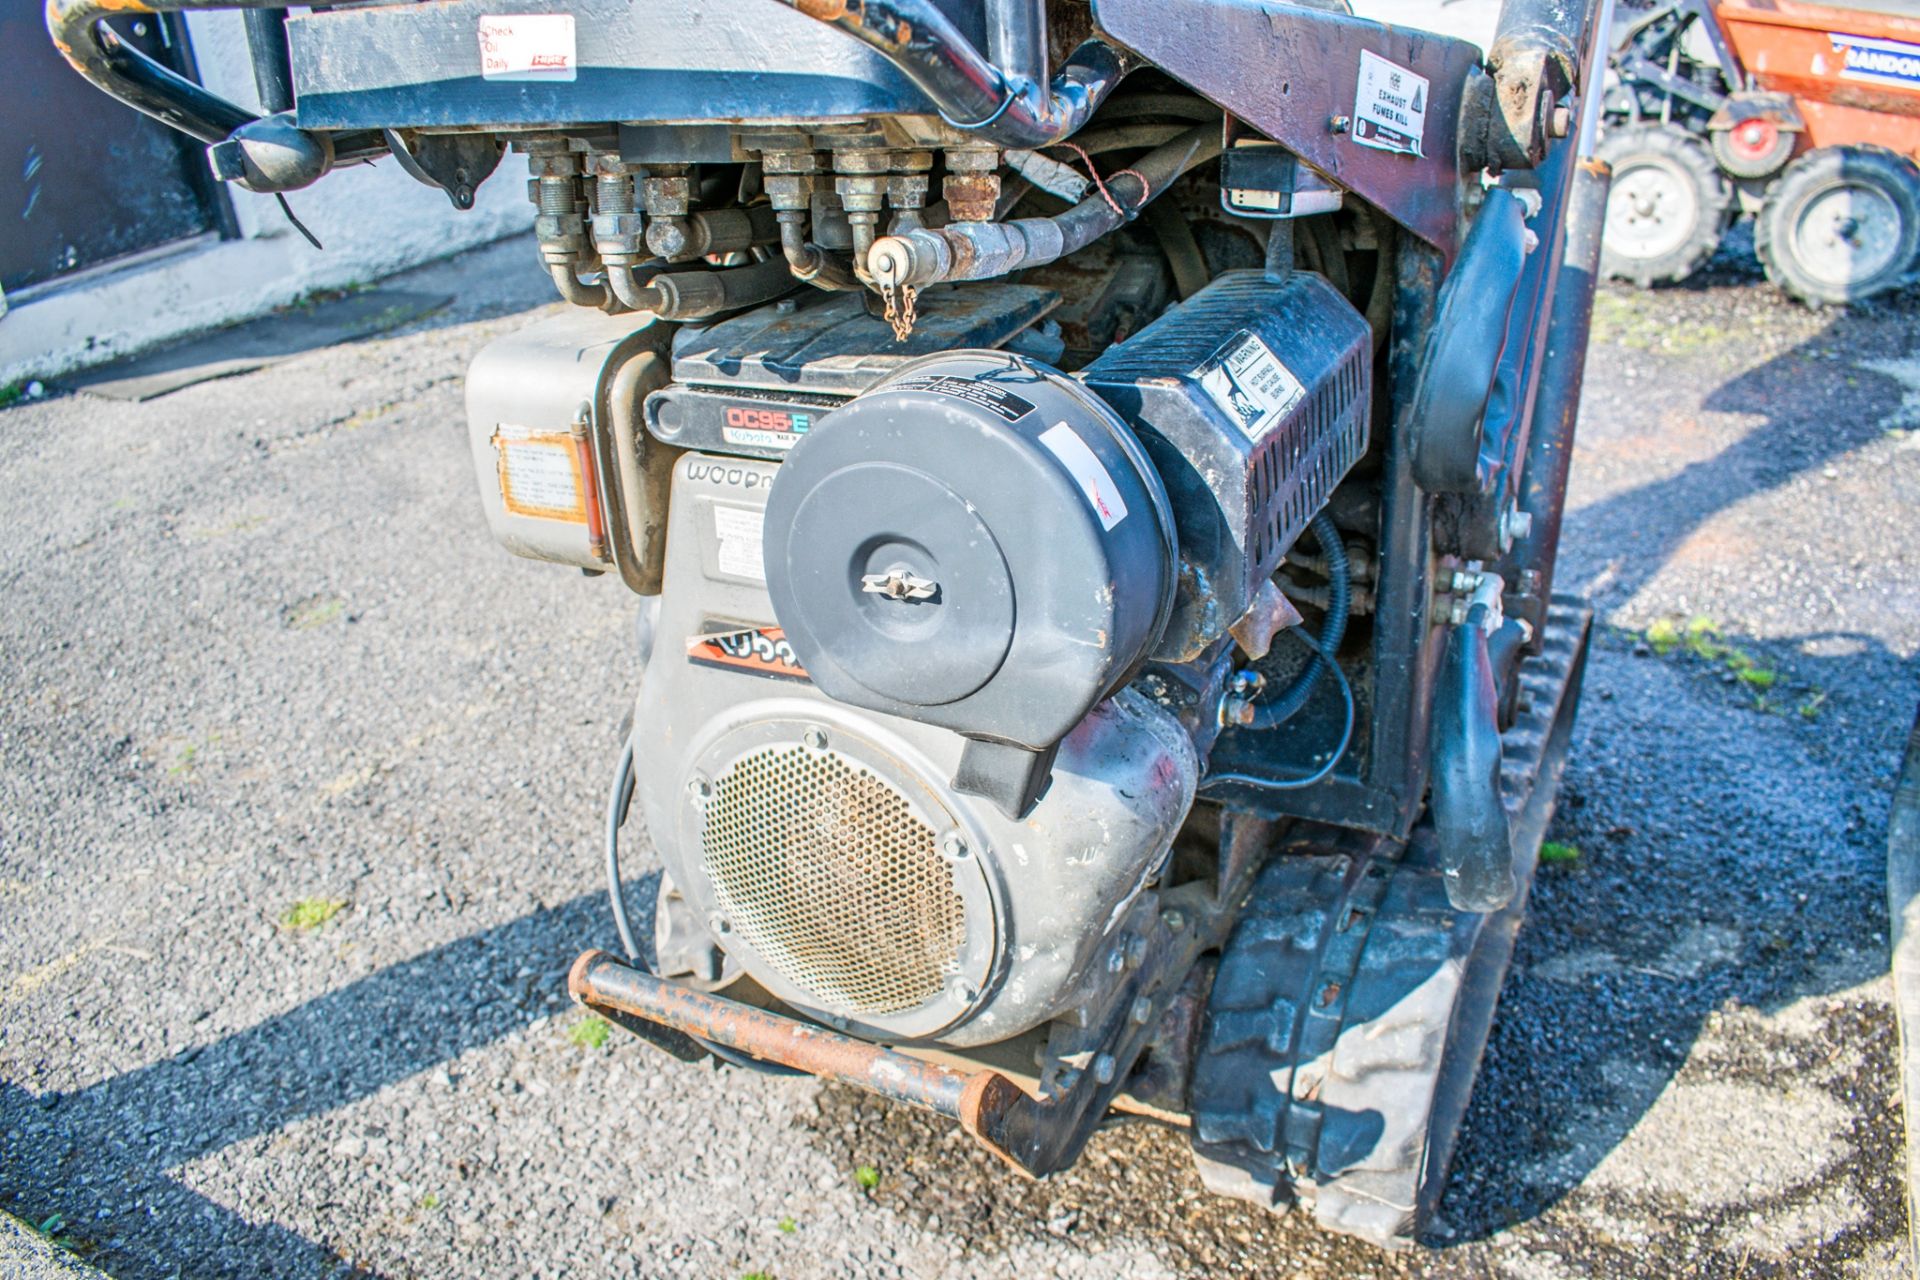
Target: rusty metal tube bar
(600,981)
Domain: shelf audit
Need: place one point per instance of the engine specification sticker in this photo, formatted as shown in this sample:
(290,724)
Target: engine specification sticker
(1389,106)
(1088,472)
(540,474)
(738,530)
(983,394)
(1249,384)
(1891,62)
(527,46)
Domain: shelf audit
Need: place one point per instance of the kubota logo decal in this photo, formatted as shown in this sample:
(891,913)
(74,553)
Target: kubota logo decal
(758,651)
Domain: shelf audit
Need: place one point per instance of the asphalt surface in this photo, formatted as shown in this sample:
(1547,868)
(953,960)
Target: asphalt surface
(260,650)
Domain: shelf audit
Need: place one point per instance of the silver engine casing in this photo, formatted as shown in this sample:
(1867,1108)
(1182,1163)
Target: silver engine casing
(823,847)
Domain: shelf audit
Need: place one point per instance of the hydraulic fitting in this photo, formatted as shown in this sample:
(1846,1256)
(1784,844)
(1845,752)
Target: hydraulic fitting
(561,224)
(972,184)
(907,189)
(667,193)
(617,223)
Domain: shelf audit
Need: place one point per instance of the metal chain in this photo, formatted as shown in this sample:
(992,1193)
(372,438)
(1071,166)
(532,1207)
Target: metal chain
(901,312)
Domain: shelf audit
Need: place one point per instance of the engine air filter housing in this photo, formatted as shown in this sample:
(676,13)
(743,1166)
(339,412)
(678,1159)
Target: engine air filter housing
(978,543)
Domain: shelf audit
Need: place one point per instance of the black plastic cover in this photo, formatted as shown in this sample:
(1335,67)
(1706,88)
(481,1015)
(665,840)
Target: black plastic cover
(977,543)
(1253,398)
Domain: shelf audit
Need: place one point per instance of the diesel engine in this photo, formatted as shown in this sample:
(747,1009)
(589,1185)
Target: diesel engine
(1090,479)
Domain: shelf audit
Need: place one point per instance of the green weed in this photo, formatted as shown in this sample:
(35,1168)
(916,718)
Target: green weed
(788,1226)
(590,1032)
(1555,851)
(866,1177)
(311,913)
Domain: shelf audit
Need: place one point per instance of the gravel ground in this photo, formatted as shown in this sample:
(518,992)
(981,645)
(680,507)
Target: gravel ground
(261,651)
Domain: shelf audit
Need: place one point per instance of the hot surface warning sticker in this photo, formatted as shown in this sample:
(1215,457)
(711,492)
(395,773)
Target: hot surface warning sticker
(527,46)
(1389,106)
(540,474)
(1249,383)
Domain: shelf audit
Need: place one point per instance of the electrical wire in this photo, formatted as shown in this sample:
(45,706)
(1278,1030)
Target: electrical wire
(1274,712)
(619,801)
(1339,751)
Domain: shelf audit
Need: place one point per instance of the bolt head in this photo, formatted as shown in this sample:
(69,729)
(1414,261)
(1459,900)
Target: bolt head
(699,788)
(815,738)
(1116,962)
(953,845)
(1103,1067)
(1141,1011)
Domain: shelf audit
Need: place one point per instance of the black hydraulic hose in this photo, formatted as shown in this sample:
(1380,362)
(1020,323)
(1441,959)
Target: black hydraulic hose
(968,89)
(81,35)
(619,801)
(1274,712)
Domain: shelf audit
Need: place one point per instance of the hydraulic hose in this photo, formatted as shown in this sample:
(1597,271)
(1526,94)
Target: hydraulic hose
(984,250)
(1272,713)
(80,34)
(692,295)
(968,89)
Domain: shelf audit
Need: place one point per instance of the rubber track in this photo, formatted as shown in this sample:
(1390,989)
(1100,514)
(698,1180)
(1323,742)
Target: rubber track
(1352,1003)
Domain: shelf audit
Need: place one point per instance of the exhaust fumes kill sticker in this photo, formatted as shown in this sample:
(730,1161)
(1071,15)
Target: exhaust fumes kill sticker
(1389,106)
(527,46)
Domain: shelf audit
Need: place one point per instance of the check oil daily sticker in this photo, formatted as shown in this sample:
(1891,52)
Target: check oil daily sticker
(1389,106)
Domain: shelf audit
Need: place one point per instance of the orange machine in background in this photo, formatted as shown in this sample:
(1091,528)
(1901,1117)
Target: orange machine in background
(1806,115)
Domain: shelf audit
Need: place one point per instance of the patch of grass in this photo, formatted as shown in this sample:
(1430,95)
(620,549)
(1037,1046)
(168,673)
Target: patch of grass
(757,1275)
(590,1032)
(866,1177)
(1556,851)
(311,913)
(1700,637)
(430,1202)
(12,393)
(53,1229)
(788,1226)
(1632,323)
(189,755)
(1809,709)
(316,612)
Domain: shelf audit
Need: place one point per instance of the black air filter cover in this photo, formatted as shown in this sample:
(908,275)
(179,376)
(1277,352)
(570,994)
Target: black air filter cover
(978,543)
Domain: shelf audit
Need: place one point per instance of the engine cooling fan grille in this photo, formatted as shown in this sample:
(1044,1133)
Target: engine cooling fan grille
(824,870)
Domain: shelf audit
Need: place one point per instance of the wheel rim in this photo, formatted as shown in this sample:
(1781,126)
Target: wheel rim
(1754,140)
(1651,211)
(1847,234)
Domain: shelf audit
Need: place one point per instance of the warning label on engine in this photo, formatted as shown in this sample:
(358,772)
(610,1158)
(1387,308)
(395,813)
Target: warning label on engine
(758,651)
(527,46)
(738,530)
(1249,384)
(540,474)
(983,394)
(1389,106)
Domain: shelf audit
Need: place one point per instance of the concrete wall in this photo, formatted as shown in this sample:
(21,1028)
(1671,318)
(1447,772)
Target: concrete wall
(373,220)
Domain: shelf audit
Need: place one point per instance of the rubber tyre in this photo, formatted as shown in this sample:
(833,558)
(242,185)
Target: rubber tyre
(1681,192)
(1803,256)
